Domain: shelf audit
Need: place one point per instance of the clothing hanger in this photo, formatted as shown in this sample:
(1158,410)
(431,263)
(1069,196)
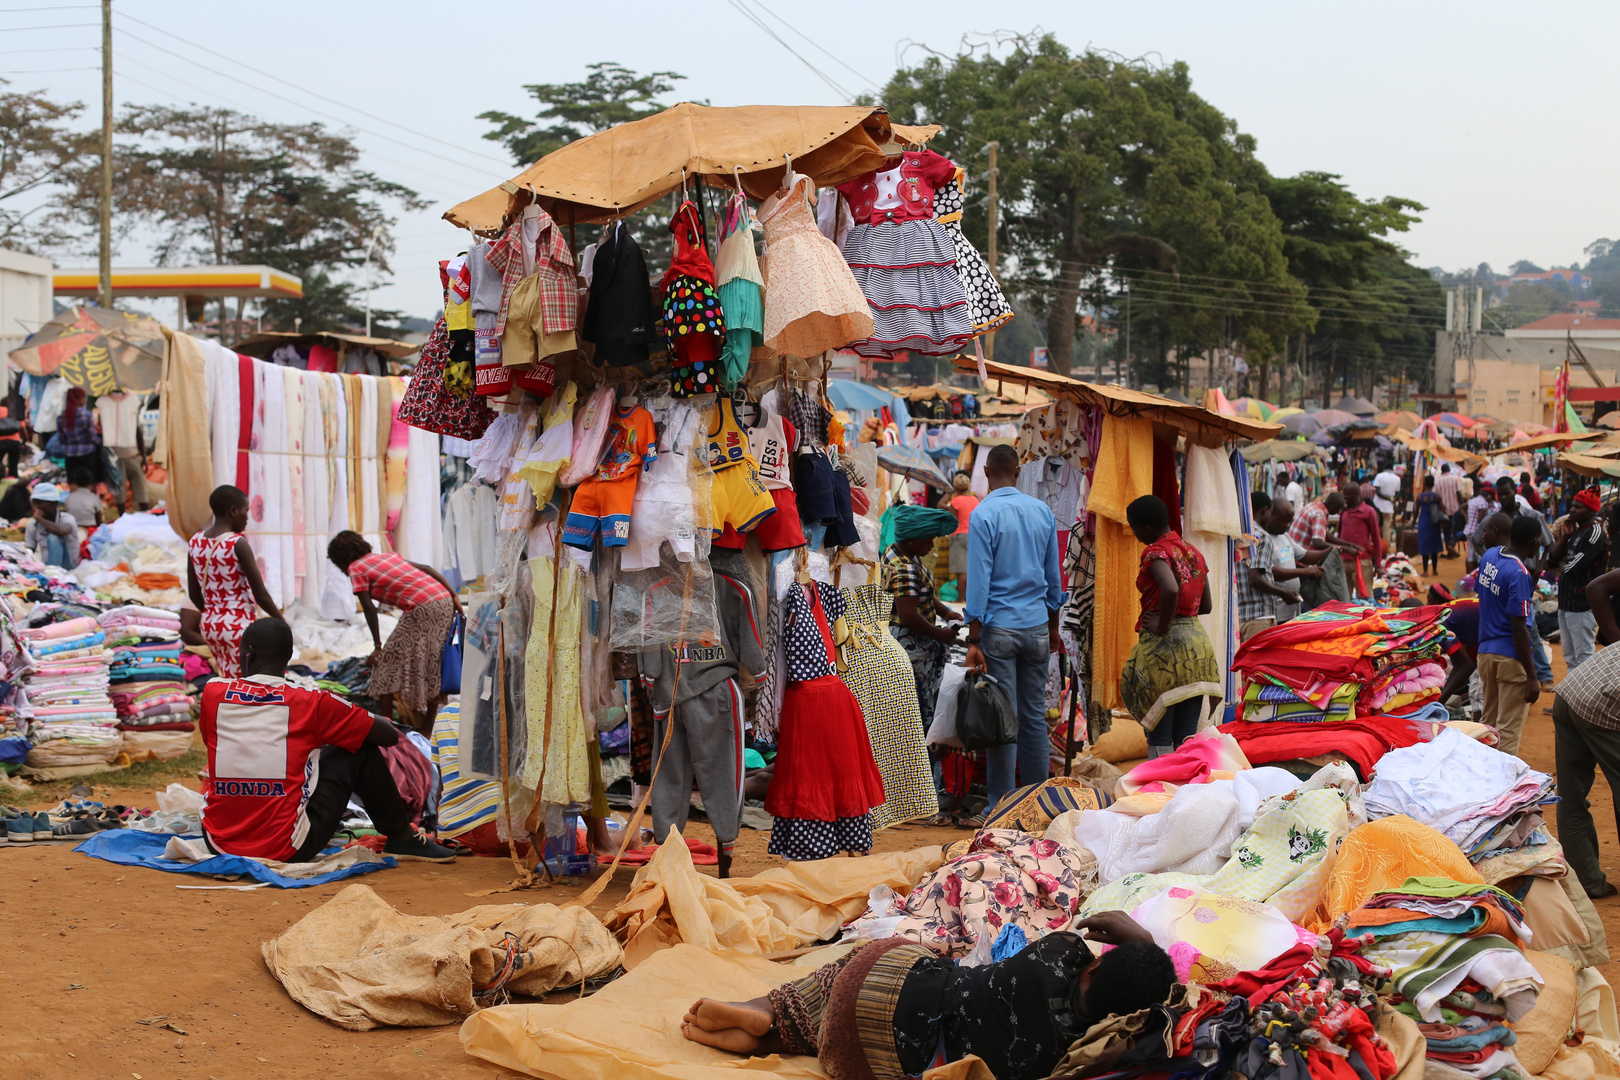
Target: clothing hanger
(532,210)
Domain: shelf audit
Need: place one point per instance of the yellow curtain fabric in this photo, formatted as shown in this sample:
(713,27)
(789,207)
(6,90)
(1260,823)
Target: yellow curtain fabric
(184,446)
(1124,474)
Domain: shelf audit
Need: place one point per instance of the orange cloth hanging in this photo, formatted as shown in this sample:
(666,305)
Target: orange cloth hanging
(1124,474)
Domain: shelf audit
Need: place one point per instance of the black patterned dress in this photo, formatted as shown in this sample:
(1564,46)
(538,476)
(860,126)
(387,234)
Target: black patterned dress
(987,306)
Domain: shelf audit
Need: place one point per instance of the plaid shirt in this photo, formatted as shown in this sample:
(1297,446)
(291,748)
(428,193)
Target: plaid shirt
(1478,508)
(1310,524)
(1592,691)
(553,261)
(394,581)
(79,438)
(1252,603)
(904,575)
(1448,488)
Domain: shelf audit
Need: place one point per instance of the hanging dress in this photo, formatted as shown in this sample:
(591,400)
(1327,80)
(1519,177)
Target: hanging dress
(742,296)
(826,782)
(905,261)
(694,324)
(879,673)
(812,301)
(228,604)
(987,305)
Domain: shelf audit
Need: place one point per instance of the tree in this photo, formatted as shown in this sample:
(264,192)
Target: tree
(224,187)
(36,149)
(1525,266)
(1372,305)
(1112,170)
(611,94)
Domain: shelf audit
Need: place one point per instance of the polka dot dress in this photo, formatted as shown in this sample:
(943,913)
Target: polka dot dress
(987,306)
(695,329)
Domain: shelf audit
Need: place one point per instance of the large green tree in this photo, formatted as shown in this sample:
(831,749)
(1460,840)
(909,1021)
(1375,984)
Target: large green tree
(1113,171)
(223,187)
(38,146)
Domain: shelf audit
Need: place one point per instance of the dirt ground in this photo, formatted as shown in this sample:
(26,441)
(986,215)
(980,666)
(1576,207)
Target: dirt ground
(135,947)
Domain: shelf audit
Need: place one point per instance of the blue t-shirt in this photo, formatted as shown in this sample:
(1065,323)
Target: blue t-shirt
(1505,589)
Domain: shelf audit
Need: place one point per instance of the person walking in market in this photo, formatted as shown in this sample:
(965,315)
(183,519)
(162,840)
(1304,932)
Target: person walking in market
(1449,487)
(1506,587)
(223,579)
(1172,667)
(1586,737)
(1580,550)
(961,502)
(408,667)
(1358,527)
(1014,593)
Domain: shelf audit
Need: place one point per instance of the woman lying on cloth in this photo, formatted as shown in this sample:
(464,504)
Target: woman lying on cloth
(891,1009)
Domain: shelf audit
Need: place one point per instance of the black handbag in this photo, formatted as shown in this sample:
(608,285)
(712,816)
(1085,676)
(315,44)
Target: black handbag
(984,713)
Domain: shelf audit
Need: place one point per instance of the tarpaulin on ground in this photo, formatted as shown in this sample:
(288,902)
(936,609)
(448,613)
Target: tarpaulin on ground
(130,847)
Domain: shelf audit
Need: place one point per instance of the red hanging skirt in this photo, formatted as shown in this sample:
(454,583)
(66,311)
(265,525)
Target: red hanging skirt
(824,765)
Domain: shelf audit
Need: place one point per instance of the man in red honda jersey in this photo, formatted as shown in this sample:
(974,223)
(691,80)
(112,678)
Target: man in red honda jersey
(283,762)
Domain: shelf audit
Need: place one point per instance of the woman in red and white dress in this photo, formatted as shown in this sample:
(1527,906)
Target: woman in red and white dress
(224,581)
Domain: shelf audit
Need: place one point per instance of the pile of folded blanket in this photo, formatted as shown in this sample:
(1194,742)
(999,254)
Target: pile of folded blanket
(148,683)
(1486,802)
(1344,662)
(71,719)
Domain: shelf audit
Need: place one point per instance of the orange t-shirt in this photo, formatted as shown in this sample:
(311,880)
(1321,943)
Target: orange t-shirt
(962,505)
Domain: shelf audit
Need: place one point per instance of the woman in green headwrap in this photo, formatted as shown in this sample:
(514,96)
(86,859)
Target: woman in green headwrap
(915,621)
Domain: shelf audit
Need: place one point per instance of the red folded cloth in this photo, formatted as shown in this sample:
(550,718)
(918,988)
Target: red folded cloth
(1363,741)
(702,854)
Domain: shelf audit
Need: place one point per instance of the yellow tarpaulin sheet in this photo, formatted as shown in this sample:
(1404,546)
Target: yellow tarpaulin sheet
(780,910)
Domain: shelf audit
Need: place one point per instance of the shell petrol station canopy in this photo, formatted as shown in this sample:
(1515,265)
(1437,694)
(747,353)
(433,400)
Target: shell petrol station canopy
(209,281)
(629,166)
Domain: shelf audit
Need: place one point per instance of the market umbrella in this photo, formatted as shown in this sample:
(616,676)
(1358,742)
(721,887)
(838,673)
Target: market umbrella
(849,394)
(1355,406)
(1486,418)
(1610,419)
(1216,401)
(1453,420)
(1404,418)
(99,349)
(1255,407)
(1302,422)
(1279,415)
(912,463)
(1330,417)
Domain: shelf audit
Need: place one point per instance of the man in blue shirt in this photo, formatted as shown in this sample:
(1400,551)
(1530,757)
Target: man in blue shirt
(1013,597)
(1506,671)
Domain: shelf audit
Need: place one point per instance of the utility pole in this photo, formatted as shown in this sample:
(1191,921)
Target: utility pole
(1464,314)
(990,338)
(376,232)
(105,295)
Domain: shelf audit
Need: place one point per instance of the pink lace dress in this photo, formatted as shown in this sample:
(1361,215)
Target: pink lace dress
(812,302)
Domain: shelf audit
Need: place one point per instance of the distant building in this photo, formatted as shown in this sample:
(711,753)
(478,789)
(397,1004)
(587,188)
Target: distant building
(1574,278)
(1511,376)
(1585,329)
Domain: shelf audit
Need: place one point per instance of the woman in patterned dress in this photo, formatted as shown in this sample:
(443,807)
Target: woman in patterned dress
(223,579)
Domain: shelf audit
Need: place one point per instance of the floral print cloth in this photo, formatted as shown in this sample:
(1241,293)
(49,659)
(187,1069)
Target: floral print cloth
(1007,878)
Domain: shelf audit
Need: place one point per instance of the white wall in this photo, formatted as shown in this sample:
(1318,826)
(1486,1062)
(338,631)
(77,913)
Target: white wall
(25,296)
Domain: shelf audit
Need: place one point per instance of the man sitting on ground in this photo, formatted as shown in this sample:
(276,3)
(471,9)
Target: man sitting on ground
(283,762)
(51,534)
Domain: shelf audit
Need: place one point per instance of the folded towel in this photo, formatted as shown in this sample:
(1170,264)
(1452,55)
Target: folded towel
(70,628)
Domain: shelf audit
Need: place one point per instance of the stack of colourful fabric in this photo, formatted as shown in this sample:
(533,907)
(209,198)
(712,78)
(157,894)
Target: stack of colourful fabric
(72,720)
(1343,662)
(148,682)
(1484,801)
(1360,742)
(1439,904)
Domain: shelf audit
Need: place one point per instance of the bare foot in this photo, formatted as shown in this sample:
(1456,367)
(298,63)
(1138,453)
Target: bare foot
(734,1040)
(712,1015)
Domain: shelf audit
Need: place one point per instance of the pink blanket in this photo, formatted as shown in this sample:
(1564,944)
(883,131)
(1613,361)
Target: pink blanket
(85,625)
(1205,753)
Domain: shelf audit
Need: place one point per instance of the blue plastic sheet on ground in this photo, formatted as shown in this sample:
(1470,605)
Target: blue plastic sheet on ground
(131,847)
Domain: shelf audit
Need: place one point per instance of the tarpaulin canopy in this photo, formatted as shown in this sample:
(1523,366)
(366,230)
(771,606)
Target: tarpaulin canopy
(99,349)
(1197,423)
(628,166)
(849,394)
(266,342)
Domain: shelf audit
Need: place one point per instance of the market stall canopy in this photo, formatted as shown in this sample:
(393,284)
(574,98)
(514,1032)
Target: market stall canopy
(1453,420)
(1301,423)
(1590,465)
(1539,442)
(266,342)
(1197,423)
(914,464)
(1279,415)
(1216,401)
(1438,449)
(628,166)
(97,348)
(1404,418)
(1356,406)
(849,394)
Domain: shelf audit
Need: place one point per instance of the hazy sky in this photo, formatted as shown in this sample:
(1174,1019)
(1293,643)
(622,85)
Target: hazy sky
(1490,114)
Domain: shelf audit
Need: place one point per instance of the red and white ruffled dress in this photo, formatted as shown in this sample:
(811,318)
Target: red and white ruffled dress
(826,781)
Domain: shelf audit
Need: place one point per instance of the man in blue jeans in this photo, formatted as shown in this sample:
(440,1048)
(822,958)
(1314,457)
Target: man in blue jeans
(1013,598)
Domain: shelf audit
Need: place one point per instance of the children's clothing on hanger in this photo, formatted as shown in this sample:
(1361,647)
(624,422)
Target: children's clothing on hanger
(694,322)
(905,261)
(605,500)
(741,292)
(812,301)
(619,317)
(987,305)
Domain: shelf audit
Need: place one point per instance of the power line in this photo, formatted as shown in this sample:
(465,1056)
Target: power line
(54,7)
(51,26)
(774,36)
(47,71)
(320,97)
(833,56)
(296,104)
(1255,286)
(66,48)
(123,74)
